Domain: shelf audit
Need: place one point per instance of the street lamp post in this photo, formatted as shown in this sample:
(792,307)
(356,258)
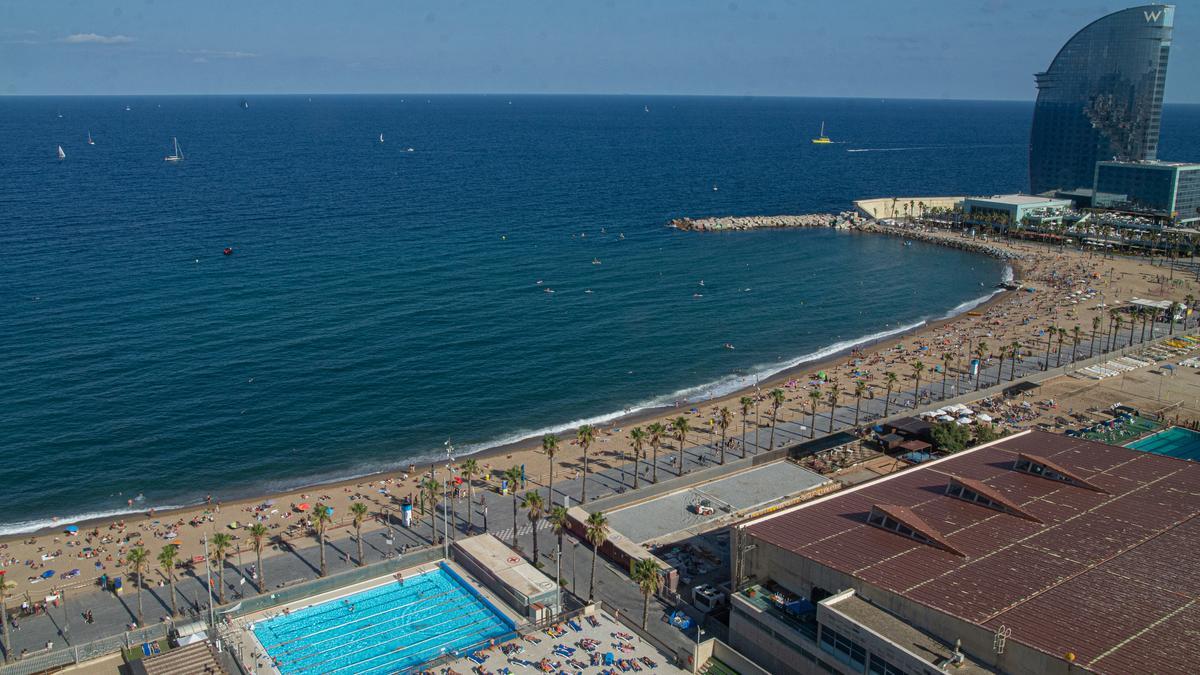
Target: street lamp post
(212,616)
(574,545)
(558,582)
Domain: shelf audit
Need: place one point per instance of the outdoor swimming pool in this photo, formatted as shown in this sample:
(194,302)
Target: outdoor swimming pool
(387,629)
(1174,442)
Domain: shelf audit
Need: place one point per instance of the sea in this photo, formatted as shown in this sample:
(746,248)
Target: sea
(383,298)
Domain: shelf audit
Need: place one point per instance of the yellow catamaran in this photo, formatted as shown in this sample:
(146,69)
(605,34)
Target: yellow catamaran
(822,139)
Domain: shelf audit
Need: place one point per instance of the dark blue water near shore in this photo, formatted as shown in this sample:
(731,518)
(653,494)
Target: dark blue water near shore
(380,301)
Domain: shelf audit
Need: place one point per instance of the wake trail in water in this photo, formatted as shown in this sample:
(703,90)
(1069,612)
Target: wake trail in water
(933,147)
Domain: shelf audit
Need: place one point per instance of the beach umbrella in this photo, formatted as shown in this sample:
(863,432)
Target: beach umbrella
(234,525)
(73,572)
(945,418)
(47,574)
(984,417)
(71,529)
(964,420)
(303,507)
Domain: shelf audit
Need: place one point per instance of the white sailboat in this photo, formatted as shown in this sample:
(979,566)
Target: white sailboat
(380,138)
(90,141)
(177,156)
(61,154)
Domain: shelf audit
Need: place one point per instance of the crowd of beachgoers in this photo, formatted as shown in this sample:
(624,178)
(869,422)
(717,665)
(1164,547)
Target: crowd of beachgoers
(1062,288)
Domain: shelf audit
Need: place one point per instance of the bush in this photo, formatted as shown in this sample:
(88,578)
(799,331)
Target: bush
(951,437)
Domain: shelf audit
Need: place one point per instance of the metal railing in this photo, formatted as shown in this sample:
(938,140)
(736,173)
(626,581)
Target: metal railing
(41,662)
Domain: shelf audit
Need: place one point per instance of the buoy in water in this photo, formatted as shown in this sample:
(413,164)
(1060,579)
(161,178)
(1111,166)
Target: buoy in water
(228,251)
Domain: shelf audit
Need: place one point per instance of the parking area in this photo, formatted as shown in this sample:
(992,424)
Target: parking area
(692,510)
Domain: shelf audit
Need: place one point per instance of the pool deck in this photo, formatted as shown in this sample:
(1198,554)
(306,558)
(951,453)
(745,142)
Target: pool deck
(254,654)
(605,635)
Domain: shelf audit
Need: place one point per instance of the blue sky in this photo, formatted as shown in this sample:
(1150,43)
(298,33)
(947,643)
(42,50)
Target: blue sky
(965,49)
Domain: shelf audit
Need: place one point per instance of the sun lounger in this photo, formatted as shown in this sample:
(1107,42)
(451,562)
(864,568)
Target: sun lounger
(593,622)
(575,626)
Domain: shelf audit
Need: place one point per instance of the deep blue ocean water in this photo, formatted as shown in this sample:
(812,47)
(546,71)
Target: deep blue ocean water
(381,301)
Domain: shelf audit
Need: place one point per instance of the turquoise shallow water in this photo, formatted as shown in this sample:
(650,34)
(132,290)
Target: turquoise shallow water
(380,301)
(1173,442)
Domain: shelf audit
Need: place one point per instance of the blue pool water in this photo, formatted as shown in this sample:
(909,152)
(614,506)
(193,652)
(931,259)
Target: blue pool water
(1174,442)
(388,629)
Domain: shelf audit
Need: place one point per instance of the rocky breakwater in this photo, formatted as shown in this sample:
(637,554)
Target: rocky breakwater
(942,238)
(738,223)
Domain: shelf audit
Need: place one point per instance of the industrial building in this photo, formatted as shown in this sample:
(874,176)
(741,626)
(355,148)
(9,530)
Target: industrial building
(1037,553)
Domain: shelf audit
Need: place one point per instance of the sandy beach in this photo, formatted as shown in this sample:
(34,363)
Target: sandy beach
(1059,277)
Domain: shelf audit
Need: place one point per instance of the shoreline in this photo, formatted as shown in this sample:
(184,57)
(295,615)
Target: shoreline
(605,423)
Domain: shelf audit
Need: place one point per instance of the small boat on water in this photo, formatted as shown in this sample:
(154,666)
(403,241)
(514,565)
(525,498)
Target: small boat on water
(595,261)
(907,242)
(176,156)
(822,139)
(380,138)
(228,251)
(61,154)
(244,104)
(548,290)
(90,141)
(728,345)
(714,187)
(646,108)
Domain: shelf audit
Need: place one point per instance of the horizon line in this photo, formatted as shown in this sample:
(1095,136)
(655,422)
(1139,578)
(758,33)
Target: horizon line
(545,95)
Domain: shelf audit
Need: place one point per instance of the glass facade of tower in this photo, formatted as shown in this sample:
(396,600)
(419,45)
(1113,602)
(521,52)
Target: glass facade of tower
(1101,98)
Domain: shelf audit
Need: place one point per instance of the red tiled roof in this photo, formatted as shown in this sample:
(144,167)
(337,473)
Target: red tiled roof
(1111,576)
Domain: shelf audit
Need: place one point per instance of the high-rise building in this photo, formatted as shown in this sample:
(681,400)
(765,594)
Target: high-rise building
(1101,98)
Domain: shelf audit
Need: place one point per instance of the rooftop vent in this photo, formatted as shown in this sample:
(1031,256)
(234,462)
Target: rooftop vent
(904,522)
(1040,466)
(976,492)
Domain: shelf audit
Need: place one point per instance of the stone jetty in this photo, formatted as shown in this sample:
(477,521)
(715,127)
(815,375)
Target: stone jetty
(846,220)
(735,223)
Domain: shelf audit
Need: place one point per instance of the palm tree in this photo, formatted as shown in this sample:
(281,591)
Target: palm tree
(1000,368)
(657,430)
(860,390)
(1145,319)
(220,549)
(1076,334)
(1051,331)
(514,478)
(980,352)
(258,535)
(585,435)
(890,378)
(917,367)
(359,511)
(1062,334)
(550,447)
(724,419)
(4,625)
(322,516)
(680,426)
(745,402)
(645,575)
(947,357)
(637,436)
(814,398)
(559,522)
(777,399)
(469,470)
(757,419)
(596,528)
(166,562)
(535,508)
(136,559)
(431,490)
(1014,352)
(832,395)
(1174,310)
(1096,321)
